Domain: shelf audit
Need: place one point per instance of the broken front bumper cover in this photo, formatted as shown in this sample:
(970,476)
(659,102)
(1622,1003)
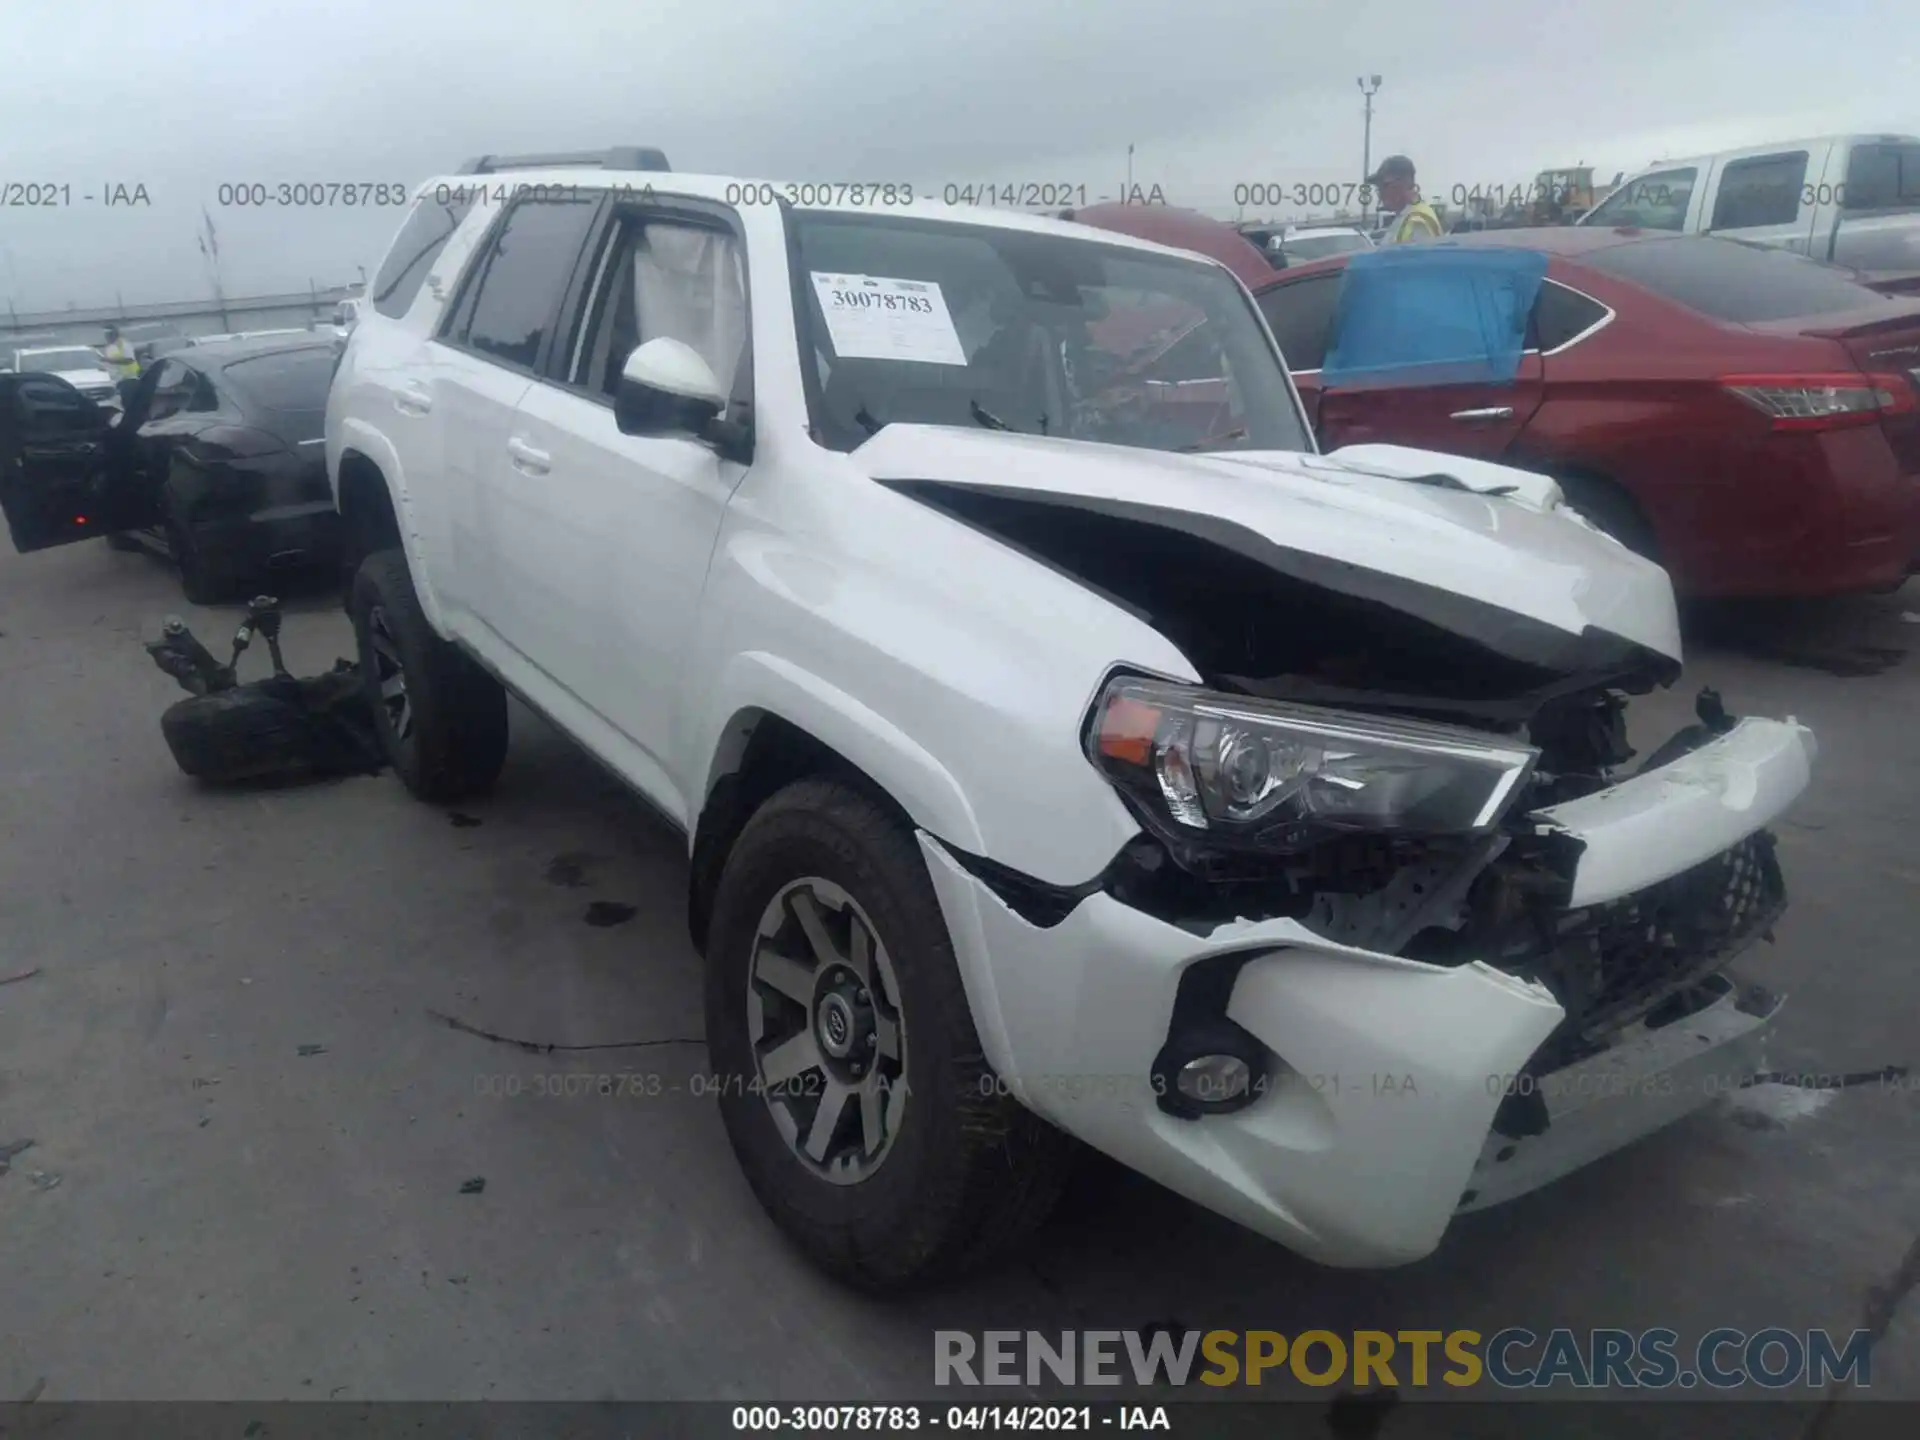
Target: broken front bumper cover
(1377,1119)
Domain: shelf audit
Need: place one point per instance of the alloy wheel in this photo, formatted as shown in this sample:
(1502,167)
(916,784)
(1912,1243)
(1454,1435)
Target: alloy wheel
(390,676)
(824,1022)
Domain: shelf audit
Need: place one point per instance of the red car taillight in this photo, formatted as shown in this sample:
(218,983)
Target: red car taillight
(1823,402)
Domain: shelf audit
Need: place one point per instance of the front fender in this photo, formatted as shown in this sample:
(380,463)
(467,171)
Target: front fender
(953,671)
(761,682)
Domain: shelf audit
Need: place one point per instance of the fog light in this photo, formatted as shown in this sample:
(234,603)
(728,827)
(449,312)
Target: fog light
(1215,1079)
(1209,1066)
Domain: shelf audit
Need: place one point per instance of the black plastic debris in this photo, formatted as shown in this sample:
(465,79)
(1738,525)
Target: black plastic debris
(306,1050)
(462,822)
(473,1186)
(602,913)
(280,730)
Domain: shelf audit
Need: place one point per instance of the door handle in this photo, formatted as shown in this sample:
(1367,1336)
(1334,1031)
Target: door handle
(1492,412)
(525,457)
(413,399)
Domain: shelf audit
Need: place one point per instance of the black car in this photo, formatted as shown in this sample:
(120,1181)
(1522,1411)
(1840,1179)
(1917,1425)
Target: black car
(219,459)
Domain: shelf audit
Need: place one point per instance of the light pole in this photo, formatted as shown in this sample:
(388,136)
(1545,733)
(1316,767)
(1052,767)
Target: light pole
(1369,87)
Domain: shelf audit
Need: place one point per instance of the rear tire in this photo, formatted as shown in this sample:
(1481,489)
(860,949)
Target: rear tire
(202,580)
(441,719)
(957,1174)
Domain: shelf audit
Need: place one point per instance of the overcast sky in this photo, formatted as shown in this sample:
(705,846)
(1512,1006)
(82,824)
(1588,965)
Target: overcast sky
(1212,93)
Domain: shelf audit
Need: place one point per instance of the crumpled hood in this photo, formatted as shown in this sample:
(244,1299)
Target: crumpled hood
(1366,507)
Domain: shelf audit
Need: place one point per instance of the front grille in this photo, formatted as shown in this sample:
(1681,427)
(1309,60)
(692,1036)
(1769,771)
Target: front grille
(1618,962)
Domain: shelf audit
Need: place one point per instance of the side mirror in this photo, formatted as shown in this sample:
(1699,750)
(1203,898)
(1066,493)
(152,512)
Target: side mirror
(667,389)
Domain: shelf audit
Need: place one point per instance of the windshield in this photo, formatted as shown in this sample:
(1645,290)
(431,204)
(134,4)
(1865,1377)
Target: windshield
(1312,247)
(53,361)
(926,322)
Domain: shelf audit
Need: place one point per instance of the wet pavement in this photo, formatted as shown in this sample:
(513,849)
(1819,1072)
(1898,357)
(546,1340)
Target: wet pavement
(283,1146)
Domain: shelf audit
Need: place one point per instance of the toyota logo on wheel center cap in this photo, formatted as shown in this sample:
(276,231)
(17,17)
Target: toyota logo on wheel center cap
(836,1026)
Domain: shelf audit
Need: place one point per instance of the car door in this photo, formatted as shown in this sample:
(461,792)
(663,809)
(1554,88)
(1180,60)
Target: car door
(1766,199)
(622,527)
(60,475)
(1300,312)
(1429,349)
(506,551)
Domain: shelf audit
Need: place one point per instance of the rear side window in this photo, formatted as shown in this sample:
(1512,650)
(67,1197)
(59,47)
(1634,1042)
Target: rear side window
(291,380)
(1301,316)
(1727,280)
(517,287)
(1762,191)
(1883,177)
(1653,202)
(415,248)
(1560,315)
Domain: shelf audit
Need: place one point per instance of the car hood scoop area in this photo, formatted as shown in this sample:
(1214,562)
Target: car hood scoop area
(1373,569)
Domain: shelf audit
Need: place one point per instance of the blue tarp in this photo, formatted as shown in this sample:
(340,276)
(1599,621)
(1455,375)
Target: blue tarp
(1433,314)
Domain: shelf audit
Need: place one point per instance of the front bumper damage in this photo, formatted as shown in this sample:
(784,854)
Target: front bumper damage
(1402,1092)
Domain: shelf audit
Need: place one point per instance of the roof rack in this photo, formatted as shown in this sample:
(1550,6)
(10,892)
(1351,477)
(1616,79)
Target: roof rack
(618,157)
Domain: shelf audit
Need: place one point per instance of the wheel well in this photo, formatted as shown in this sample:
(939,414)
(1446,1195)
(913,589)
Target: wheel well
(762,753)
(1615,508)
(366,510)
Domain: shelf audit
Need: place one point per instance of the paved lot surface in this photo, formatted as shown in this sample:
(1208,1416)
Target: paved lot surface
(214,1209)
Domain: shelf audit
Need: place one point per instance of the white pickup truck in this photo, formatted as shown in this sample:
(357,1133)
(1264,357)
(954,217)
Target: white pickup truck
(1066,749)
(1851,200)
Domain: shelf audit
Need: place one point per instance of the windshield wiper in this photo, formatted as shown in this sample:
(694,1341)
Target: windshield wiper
(1213,442)
(986,417)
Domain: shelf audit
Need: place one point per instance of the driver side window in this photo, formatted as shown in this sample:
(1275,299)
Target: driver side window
(1652,202)
(173,387)
(674,279)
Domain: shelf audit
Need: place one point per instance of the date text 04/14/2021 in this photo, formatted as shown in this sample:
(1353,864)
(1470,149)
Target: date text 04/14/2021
(896,1419)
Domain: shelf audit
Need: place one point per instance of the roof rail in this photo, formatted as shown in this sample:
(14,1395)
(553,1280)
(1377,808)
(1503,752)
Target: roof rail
(618,157)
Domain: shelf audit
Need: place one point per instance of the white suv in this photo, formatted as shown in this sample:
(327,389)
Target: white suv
(1065,748)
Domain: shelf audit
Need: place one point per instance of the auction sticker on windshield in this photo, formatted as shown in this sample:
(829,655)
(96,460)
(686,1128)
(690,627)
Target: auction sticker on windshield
(870,317)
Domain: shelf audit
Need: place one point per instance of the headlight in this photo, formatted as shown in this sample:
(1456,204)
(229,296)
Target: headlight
(1262,775)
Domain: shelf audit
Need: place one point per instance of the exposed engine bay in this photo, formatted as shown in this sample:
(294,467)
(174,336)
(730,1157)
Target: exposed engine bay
(1344,640)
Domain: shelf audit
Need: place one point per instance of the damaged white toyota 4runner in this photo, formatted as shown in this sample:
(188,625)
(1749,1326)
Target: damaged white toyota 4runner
(1065,748)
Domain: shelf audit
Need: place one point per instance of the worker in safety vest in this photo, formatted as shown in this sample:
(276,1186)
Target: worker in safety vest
(122,363)
(1416,220)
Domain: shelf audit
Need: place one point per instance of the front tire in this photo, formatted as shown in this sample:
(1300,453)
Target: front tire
(849,1074)
(441,719)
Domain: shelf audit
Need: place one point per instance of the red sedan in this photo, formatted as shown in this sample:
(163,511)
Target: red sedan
(1746,416)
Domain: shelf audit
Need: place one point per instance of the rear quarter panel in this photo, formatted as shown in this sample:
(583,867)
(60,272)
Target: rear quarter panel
(1638,403)
(384,352)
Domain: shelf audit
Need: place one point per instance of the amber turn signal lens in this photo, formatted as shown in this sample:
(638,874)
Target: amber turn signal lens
(1127,730)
